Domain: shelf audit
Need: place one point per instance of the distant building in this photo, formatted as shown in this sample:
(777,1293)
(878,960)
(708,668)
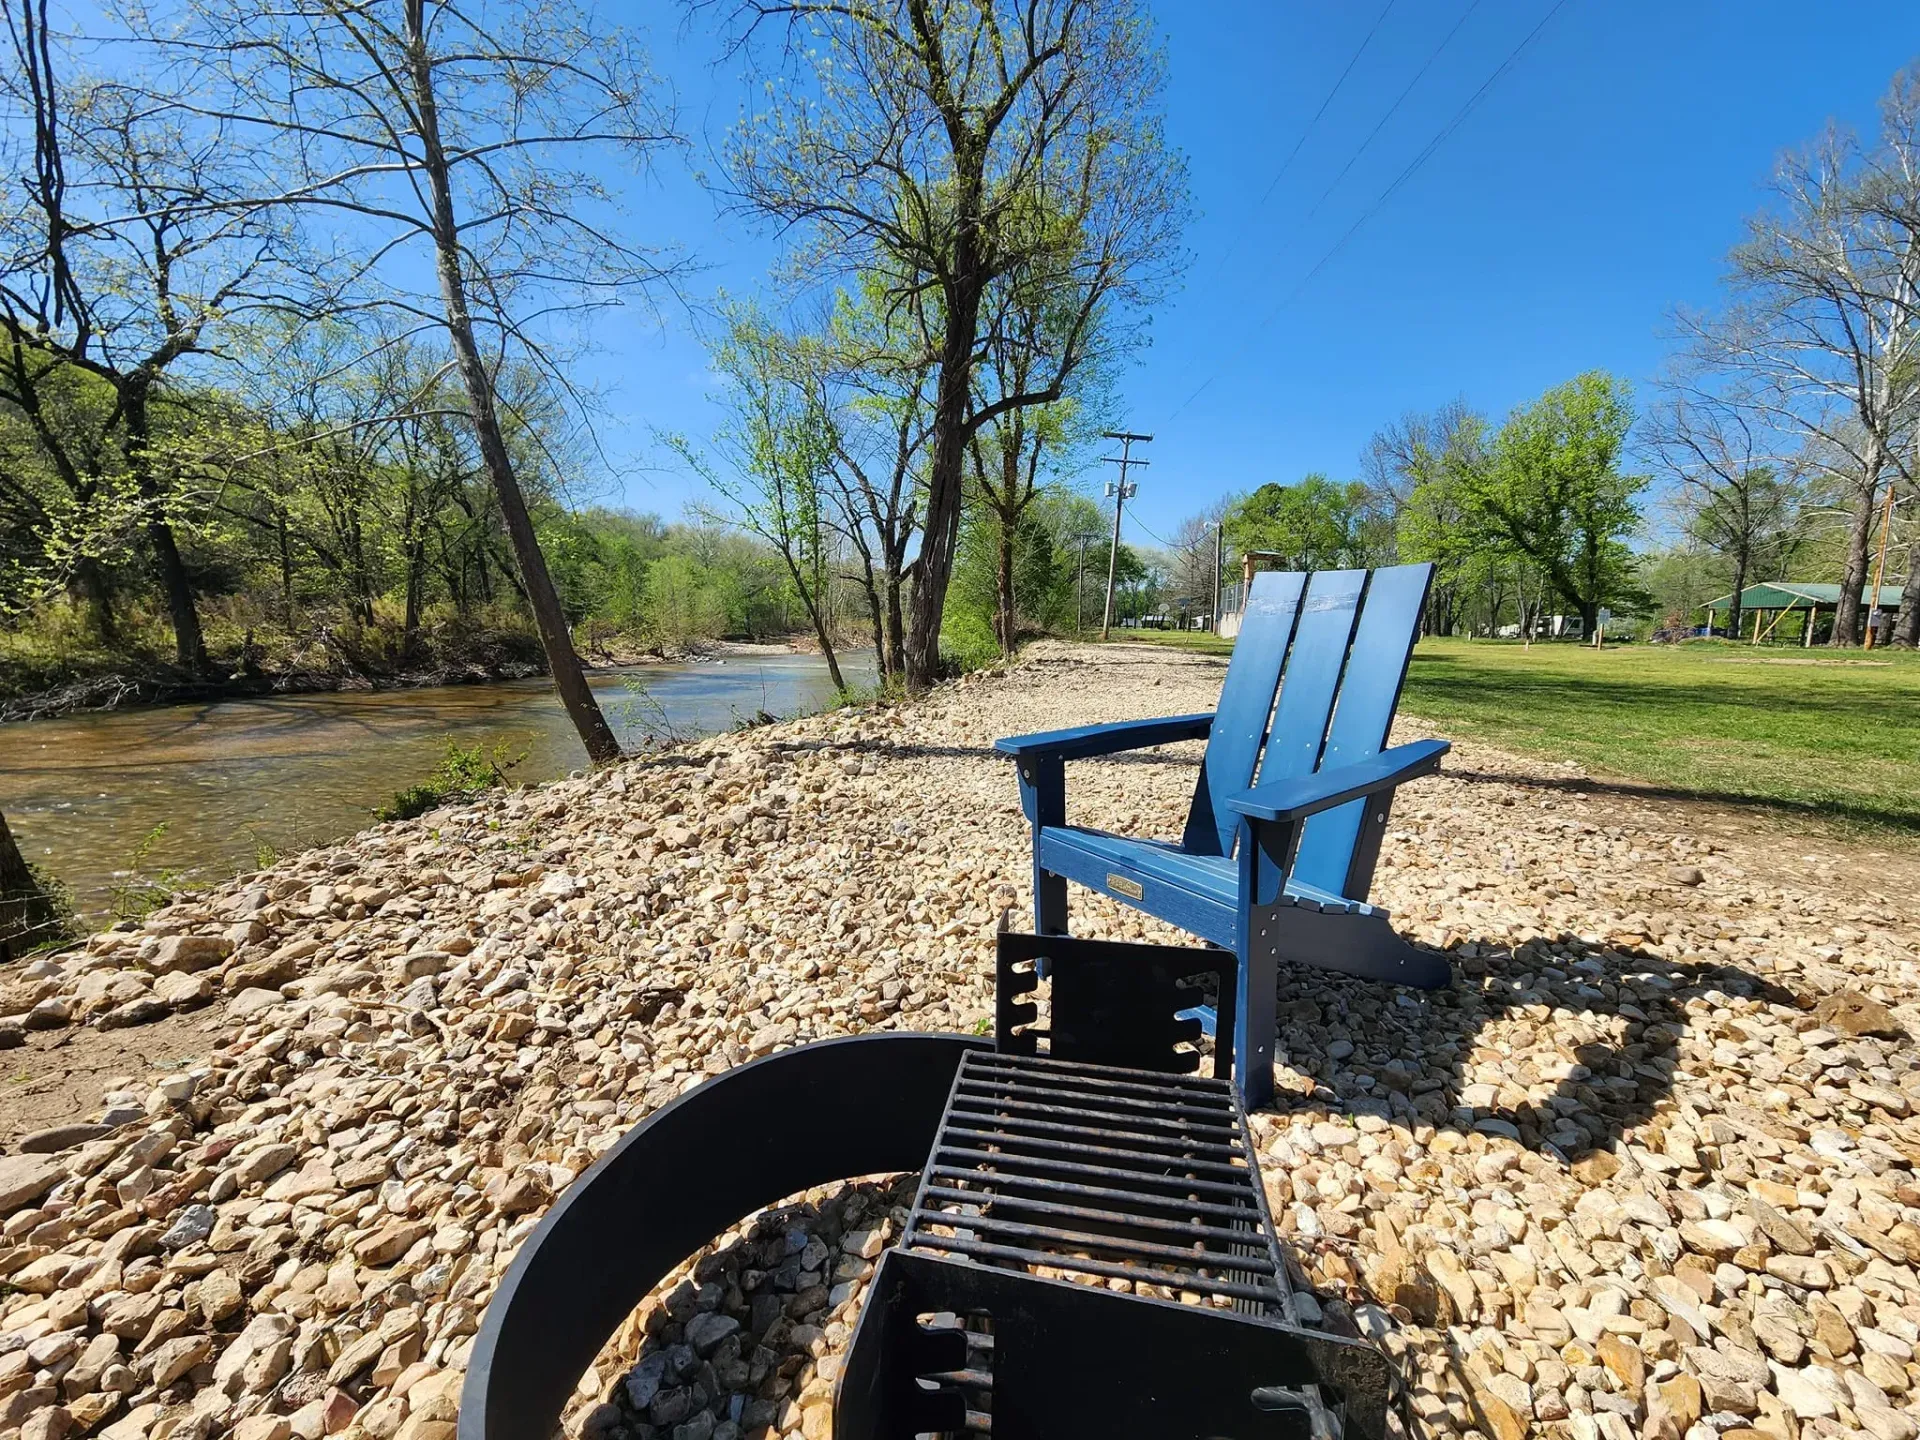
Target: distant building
(1771,603)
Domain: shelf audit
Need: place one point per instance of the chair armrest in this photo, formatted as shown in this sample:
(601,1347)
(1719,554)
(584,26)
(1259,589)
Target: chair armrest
(1286,800)
(1091,740)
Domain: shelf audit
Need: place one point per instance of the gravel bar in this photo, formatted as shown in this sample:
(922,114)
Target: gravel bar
(1646,1170)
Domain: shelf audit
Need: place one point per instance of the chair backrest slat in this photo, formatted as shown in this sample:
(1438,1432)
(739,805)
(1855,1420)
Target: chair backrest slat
(1246,700)
(1312,676)
(1376,669)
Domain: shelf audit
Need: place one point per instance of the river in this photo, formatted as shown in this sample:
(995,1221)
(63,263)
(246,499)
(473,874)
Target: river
(236,782)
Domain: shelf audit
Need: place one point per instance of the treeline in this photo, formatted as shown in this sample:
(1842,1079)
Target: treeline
(353,526)
(292,300)
(1575,505)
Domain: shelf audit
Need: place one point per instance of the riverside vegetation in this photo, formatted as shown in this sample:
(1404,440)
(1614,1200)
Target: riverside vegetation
(1646,1169)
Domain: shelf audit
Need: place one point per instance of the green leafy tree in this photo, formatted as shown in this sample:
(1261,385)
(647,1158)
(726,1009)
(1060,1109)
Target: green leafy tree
(1314,524)
(683,604)
(1554,491)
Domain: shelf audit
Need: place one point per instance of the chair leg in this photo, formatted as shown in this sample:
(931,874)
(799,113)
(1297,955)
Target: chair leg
(1049,911)
(1256,1013)
(1049,902)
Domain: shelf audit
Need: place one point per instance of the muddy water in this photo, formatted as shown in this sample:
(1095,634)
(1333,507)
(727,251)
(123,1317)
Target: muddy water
(235,782)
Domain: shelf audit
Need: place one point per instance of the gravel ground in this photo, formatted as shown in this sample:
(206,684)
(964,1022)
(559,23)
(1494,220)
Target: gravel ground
(1646,1170)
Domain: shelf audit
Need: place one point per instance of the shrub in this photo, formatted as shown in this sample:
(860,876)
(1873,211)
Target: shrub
(967,642)
(460,775)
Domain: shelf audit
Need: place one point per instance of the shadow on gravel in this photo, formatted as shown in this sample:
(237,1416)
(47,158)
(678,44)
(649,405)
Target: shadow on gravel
(1837,810)
(1564,1085)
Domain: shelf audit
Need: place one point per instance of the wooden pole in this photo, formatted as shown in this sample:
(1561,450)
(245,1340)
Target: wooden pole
(1218,533)
(1774,624)
(1079,582)
(1120,491)
(1880,567)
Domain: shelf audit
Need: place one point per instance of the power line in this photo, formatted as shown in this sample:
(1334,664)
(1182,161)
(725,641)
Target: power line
(1425,154)
(1141,524)
(1272,184)
(1393,109)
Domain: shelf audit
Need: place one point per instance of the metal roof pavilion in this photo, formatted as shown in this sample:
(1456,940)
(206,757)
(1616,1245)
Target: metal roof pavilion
(1801,594)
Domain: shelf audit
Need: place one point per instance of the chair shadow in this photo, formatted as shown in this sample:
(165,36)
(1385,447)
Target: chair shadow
(1834,810)
(1607,1056)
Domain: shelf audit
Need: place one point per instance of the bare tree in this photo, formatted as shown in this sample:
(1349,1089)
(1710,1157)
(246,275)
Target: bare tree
(466,134)
(1824,329)
(774,452)
(1420,470)
(948,147)
(1190,558)
(1734,495)
(118,265)
(1019,448)
(874,383)
(1890,191)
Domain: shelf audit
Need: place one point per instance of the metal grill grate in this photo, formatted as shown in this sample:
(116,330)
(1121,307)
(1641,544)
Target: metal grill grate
(1104,1173)
(1090,1250)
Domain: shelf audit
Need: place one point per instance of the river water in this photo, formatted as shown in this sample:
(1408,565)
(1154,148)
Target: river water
(240,780)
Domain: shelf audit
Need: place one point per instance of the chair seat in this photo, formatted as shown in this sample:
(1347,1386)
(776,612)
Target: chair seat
(1199,893)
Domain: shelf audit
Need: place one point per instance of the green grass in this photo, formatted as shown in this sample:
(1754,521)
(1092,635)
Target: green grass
(1836,740)
(1723,722)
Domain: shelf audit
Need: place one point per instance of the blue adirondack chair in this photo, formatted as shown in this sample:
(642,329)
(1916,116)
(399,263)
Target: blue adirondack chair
(1277,870)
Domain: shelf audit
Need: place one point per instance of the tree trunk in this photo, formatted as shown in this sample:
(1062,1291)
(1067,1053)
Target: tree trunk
(416,584)
(568,678)
(27,914)
(361,573)
(189,645)
(286,572)
(895,585)
(1004,618)
(1739,584)
(825,638)
(878,620)
(940,536)
(89,587)
(1906,629)
(1853,577)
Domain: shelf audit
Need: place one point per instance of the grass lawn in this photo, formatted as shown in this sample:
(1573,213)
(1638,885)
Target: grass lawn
(1837,738)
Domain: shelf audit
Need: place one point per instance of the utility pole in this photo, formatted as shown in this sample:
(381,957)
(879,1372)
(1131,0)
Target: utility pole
(1079,581)
(1120,491)
(1880,567)
(1218,530)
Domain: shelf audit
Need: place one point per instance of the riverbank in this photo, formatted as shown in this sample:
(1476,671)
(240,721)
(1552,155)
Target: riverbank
(49,691)
(1623,1174)
(119,806)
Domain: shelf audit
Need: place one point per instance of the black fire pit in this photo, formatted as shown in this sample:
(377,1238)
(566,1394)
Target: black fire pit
(1089,1251)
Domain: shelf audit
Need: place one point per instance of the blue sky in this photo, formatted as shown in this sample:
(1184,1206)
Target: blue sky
(1596,185)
